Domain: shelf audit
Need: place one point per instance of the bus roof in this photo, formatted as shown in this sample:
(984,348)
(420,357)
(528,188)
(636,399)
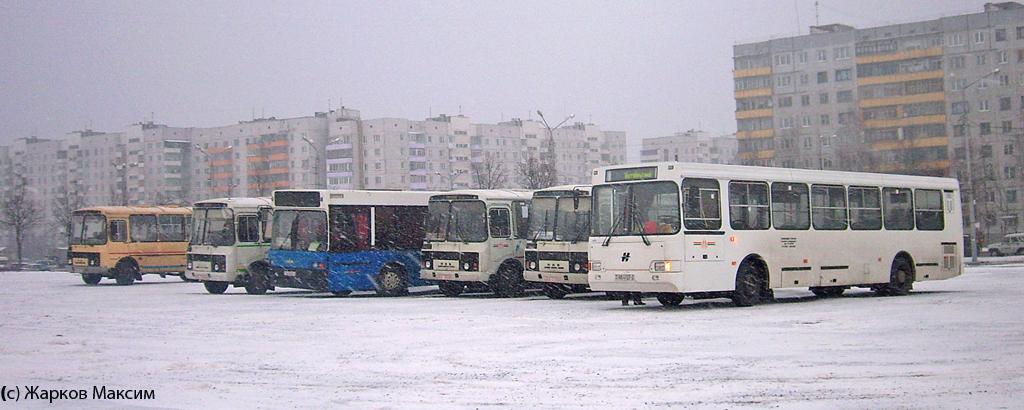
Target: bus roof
(317,198)
(487,194)
(247,202)
(678,170)
(567,189)
(141,209)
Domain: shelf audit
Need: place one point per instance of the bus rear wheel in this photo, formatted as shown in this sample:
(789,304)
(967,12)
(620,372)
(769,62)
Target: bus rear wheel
(509,283)
(828,291)
(451,289)
(257,283)
(91,278)
(901,279)
(751,286)
(555,290)
(216,288)
(392,282)
(670,299)
(126,273)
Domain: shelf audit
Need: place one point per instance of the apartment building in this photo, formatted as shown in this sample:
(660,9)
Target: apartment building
(690,146)
(910,98)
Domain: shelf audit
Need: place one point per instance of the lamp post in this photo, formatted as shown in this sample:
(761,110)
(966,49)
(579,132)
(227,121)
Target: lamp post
(972,216)
(551,144)
(316,163)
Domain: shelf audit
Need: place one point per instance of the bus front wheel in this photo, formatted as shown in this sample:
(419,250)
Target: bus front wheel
(901,279)
(91,278)
(126,273)
(257,283)
(670,299)
(451,289)
(555,290)
(216,288)
(392,282)
(509,282)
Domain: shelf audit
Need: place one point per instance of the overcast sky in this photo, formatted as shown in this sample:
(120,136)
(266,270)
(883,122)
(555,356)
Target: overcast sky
(649,68)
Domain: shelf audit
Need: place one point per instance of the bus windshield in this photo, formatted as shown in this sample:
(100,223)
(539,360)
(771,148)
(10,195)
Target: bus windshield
(213,226)
(644,208)
(456,221)
(555,219)
(300,230)
(88,229)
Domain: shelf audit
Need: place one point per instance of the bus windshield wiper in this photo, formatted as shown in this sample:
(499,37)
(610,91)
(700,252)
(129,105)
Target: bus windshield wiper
(638,222)
(615,224)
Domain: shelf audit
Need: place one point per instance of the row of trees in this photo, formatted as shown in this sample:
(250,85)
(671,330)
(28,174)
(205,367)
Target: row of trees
(531,174)
(21,215)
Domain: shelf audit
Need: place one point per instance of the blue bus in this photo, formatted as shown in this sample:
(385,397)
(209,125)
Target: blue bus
(341,241)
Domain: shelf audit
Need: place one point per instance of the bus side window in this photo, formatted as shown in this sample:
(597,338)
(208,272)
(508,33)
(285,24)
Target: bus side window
(349,228)
(865,209)
(828,207)
(248,228)
(398,227)
(701,204)
(142,228)
(928,210)
(499,220)
(172,228)
(748,205)
(522,218)
(118,231)
(266,224)
(897,209)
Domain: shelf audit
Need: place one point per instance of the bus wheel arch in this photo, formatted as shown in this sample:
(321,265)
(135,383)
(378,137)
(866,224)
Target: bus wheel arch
(257,283)
(126,271)
(393,279)
(753,282)
(901,276)
(509,281)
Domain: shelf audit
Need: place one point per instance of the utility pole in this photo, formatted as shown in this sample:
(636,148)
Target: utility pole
(316,163)
(550,160)
(972,216)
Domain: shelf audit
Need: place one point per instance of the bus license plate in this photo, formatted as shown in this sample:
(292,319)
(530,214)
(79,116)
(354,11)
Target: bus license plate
(80,261)
(289,273)
(624,276)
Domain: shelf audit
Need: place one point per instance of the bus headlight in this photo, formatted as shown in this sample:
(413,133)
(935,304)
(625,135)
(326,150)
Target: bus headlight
(665,266)
(189,265)
(533,265)
(427,263)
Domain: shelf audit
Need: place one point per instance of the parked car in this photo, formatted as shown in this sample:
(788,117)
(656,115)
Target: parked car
(1012,244)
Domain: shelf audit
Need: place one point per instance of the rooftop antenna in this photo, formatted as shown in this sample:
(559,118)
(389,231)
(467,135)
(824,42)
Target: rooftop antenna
(263,112)
(796,7)
(254,113)
(816,21)
(460,109)
(328,104)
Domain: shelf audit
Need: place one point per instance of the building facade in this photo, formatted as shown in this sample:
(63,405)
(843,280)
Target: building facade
(924,98)
(690,146)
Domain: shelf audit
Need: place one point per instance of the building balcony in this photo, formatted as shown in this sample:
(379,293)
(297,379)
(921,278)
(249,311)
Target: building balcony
(759,113)
(900,55)
(763,154)
(418,186)
(339,146)
(902,100)
(339,160)
(890,145)
(942,164)
(273,157)
(901,77)
(421,171)
(221,162)
(766,133)
(751,72)
(414,144)
(753,92)
(903,122)
(418,158)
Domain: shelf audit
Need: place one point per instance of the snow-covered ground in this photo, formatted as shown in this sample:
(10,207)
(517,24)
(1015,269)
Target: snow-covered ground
(956,343)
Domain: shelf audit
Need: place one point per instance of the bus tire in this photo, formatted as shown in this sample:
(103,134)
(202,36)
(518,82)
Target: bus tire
(995,252)
(901,279)
(126,272)
(392,281)
(216,288)
(91,278)
(670,299)
(451,289)
(257,283)
(828,291)
(555,290)
(751,285)
(509,282)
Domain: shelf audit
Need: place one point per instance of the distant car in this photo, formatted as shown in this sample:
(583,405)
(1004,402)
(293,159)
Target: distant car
(1012,244)
(45,265)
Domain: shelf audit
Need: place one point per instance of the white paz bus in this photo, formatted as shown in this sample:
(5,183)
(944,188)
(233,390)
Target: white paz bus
(703,230)
(476,239)
(556,254)
(228,235)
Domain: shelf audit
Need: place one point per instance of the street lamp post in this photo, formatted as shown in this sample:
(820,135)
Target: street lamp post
(972,216)
(316,163)
(551,143)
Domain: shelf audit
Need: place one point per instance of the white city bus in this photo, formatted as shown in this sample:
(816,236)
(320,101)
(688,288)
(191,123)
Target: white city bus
(556,254)
(476,239)
(743,231)
(228,235)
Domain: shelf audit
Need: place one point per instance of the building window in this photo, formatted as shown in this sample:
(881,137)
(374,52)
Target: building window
(981,59)
(956,39)
(958,107)
(787,123)
(823,98)
(822,55)
(1000,34)
(983,105)
(805,100)
(1007,127)
(806,121)
(1004,103)
(841,53)
(825,119)
(1008,149)
(822,77)
(1011,196)
(1003,57)
(803,79)
(843,75)
(785,101)
(1020,33)
(1009,172)
(844,96)
(956,62)
(979,37)
(802,57)
(985,128)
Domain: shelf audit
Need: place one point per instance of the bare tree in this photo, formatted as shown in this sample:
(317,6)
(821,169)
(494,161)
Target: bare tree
(489,174)
(69,201)
(19,213)
(536,174)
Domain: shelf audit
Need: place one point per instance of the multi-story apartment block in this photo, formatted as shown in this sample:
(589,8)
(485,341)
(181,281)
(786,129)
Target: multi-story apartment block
(926,97)
(690,146)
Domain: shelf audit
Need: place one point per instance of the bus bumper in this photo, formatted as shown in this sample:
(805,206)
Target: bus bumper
(556,277)
(455,276)
(624,281)
(97,270)
(300,279)
(205,276)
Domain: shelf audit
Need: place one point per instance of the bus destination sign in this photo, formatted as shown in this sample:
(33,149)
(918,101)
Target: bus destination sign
(631,174)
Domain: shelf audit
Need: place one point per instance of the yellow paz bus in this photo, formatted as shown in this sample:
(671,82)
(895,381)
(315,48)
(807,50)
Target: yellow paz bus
(125,242)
